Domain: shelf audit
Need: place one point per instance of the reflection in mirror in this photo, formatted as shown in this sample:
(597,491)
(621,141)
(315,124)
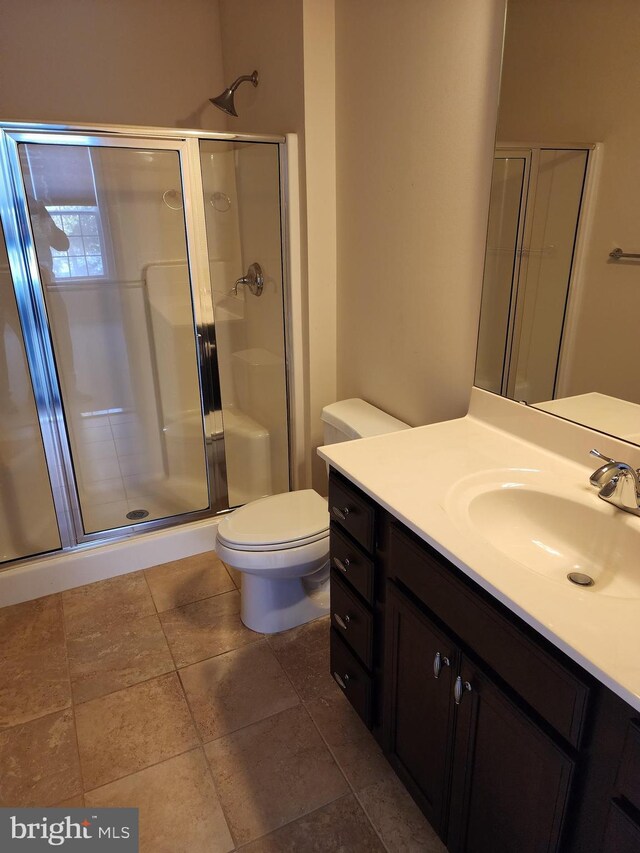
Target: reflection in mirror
(558,324)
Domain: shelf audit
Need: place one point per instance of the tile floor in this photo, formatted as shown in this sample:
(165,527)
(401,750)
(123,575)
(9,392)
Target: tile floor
(146,690)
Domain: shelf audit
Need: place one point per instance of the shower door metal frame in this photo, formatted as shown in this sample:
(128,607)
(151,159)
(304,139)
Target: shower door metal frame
(33,314)
(531,152)
(35,323)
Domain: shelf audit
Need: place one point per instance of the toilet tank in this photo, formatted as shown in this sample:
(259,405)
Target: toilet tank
(354,418)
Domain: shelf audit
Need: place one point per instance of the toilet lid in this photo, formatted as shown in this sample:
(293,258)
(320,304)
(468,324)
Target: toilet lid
(278,521)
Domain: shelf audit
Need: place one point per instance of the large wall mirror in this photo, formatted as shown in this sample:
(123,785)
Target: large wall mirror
(560,317)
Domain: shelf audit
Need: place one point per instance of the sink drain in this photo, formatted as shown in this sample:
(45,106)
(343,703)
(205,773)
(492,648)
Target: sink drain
(580,579)
(137,514)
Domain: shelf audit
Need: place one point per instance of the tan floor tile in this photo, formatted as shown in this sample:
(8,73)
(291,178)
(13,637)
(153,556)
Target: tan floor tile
(352,744)
(76,802)
(304,653)
(233,690)
(398,820)
(39,762)
(32,685)
(34,678)
(206,628)
(273,772)
(126,653)
(341,826)
(132,729)
(31,625)
(102,604)
(179,809)
(191,579)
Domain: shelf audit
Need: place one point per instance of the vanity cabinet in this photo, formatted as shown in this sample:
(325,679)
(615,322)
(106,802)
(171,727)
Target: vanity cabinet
(486,776)
(505,743)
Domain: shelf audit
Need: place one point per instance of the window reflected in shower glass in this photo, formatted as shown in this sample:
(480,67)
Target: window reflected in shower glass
(241,183)
(27,515)
(84,257)
(114,270)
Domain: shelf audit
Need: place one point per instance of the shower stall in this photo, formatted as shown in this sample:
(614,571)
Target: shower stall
(143,375)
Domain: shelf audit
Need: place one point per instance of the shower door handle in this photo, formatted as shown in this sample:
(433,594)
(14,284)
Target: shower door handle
(254,280)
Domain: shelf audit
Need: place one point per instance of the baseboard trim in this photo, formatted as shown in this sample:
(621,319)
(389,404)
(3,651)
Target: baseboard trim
(89,564)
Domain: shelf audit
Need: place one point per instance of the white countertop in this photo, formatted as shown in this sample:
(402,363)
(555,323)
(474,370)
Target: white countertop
(598,411)
(411,474)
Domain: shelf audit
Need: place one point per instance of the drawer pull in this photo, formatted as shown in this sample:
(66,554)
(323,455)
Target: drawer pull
(342,681)
(340,513)
(343,565)
(343,623)
(459,689)
(438,662)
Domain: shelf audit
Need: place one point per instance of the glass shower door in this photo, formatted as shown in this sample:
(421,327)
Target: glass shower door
(241,186)
(502,261)
(27,513)
(108,224)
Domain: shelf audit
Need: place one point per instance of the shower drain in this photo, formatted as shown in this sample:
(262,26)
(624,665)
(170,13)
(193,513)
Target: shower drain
(137,514)
(580,579)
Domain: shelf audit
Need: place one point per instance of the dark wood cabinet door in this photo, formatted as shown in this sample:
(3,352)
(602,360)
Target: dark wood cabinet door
(510,781)
(418,706)
(622,835)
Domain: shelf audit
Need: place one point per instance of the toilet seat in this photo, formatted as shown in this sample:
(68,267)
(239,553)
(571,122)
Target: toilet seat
(276,523)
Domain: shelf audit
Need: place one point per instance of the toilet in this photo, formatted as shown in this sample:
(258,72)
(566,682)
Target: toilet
(281,543)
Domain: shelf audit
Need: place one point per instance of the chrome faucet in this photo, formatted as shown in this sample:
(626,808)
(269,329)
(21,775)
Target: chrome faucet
(618,482)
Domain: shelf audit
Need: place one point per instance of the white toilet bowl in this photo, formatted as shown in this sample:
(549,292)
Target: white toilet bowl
(281,545)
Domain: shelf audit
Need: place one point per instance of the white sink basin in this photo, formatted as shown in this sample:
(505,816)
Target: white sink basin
(525,516)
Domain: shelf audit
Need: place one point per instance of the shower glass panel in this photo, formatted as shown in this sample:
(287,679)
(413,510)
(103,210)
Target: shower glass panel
(536,195)
(109,232)
(545,274)
(241,185)
(500,270)
(27,514)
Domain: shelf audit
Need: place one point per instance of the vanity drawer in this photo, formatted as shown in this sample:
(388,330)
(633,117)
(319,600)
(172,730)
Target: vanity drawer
(352,511)
(351,678)
(352,564)
(553,690)
(628,781)
(351,620)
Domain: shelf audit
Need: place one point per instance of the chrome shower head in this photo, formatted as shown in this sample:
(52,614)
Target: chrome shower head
(224,101)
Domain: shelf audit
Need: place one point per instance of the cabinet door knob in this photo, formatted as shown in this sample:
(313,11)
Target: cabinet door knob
(343,565)
(438,662)
(340,513)
(342,680)
(342,622)
(459,689)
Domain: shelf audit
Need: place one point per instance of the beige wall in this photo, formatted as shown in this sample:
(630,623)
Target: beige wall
(571,75)
(266,36)
(416,101)
(111,61)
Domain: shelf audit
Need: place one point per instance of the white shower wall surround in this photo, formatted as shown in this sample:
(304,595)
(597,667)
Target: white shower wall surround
(159,396)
